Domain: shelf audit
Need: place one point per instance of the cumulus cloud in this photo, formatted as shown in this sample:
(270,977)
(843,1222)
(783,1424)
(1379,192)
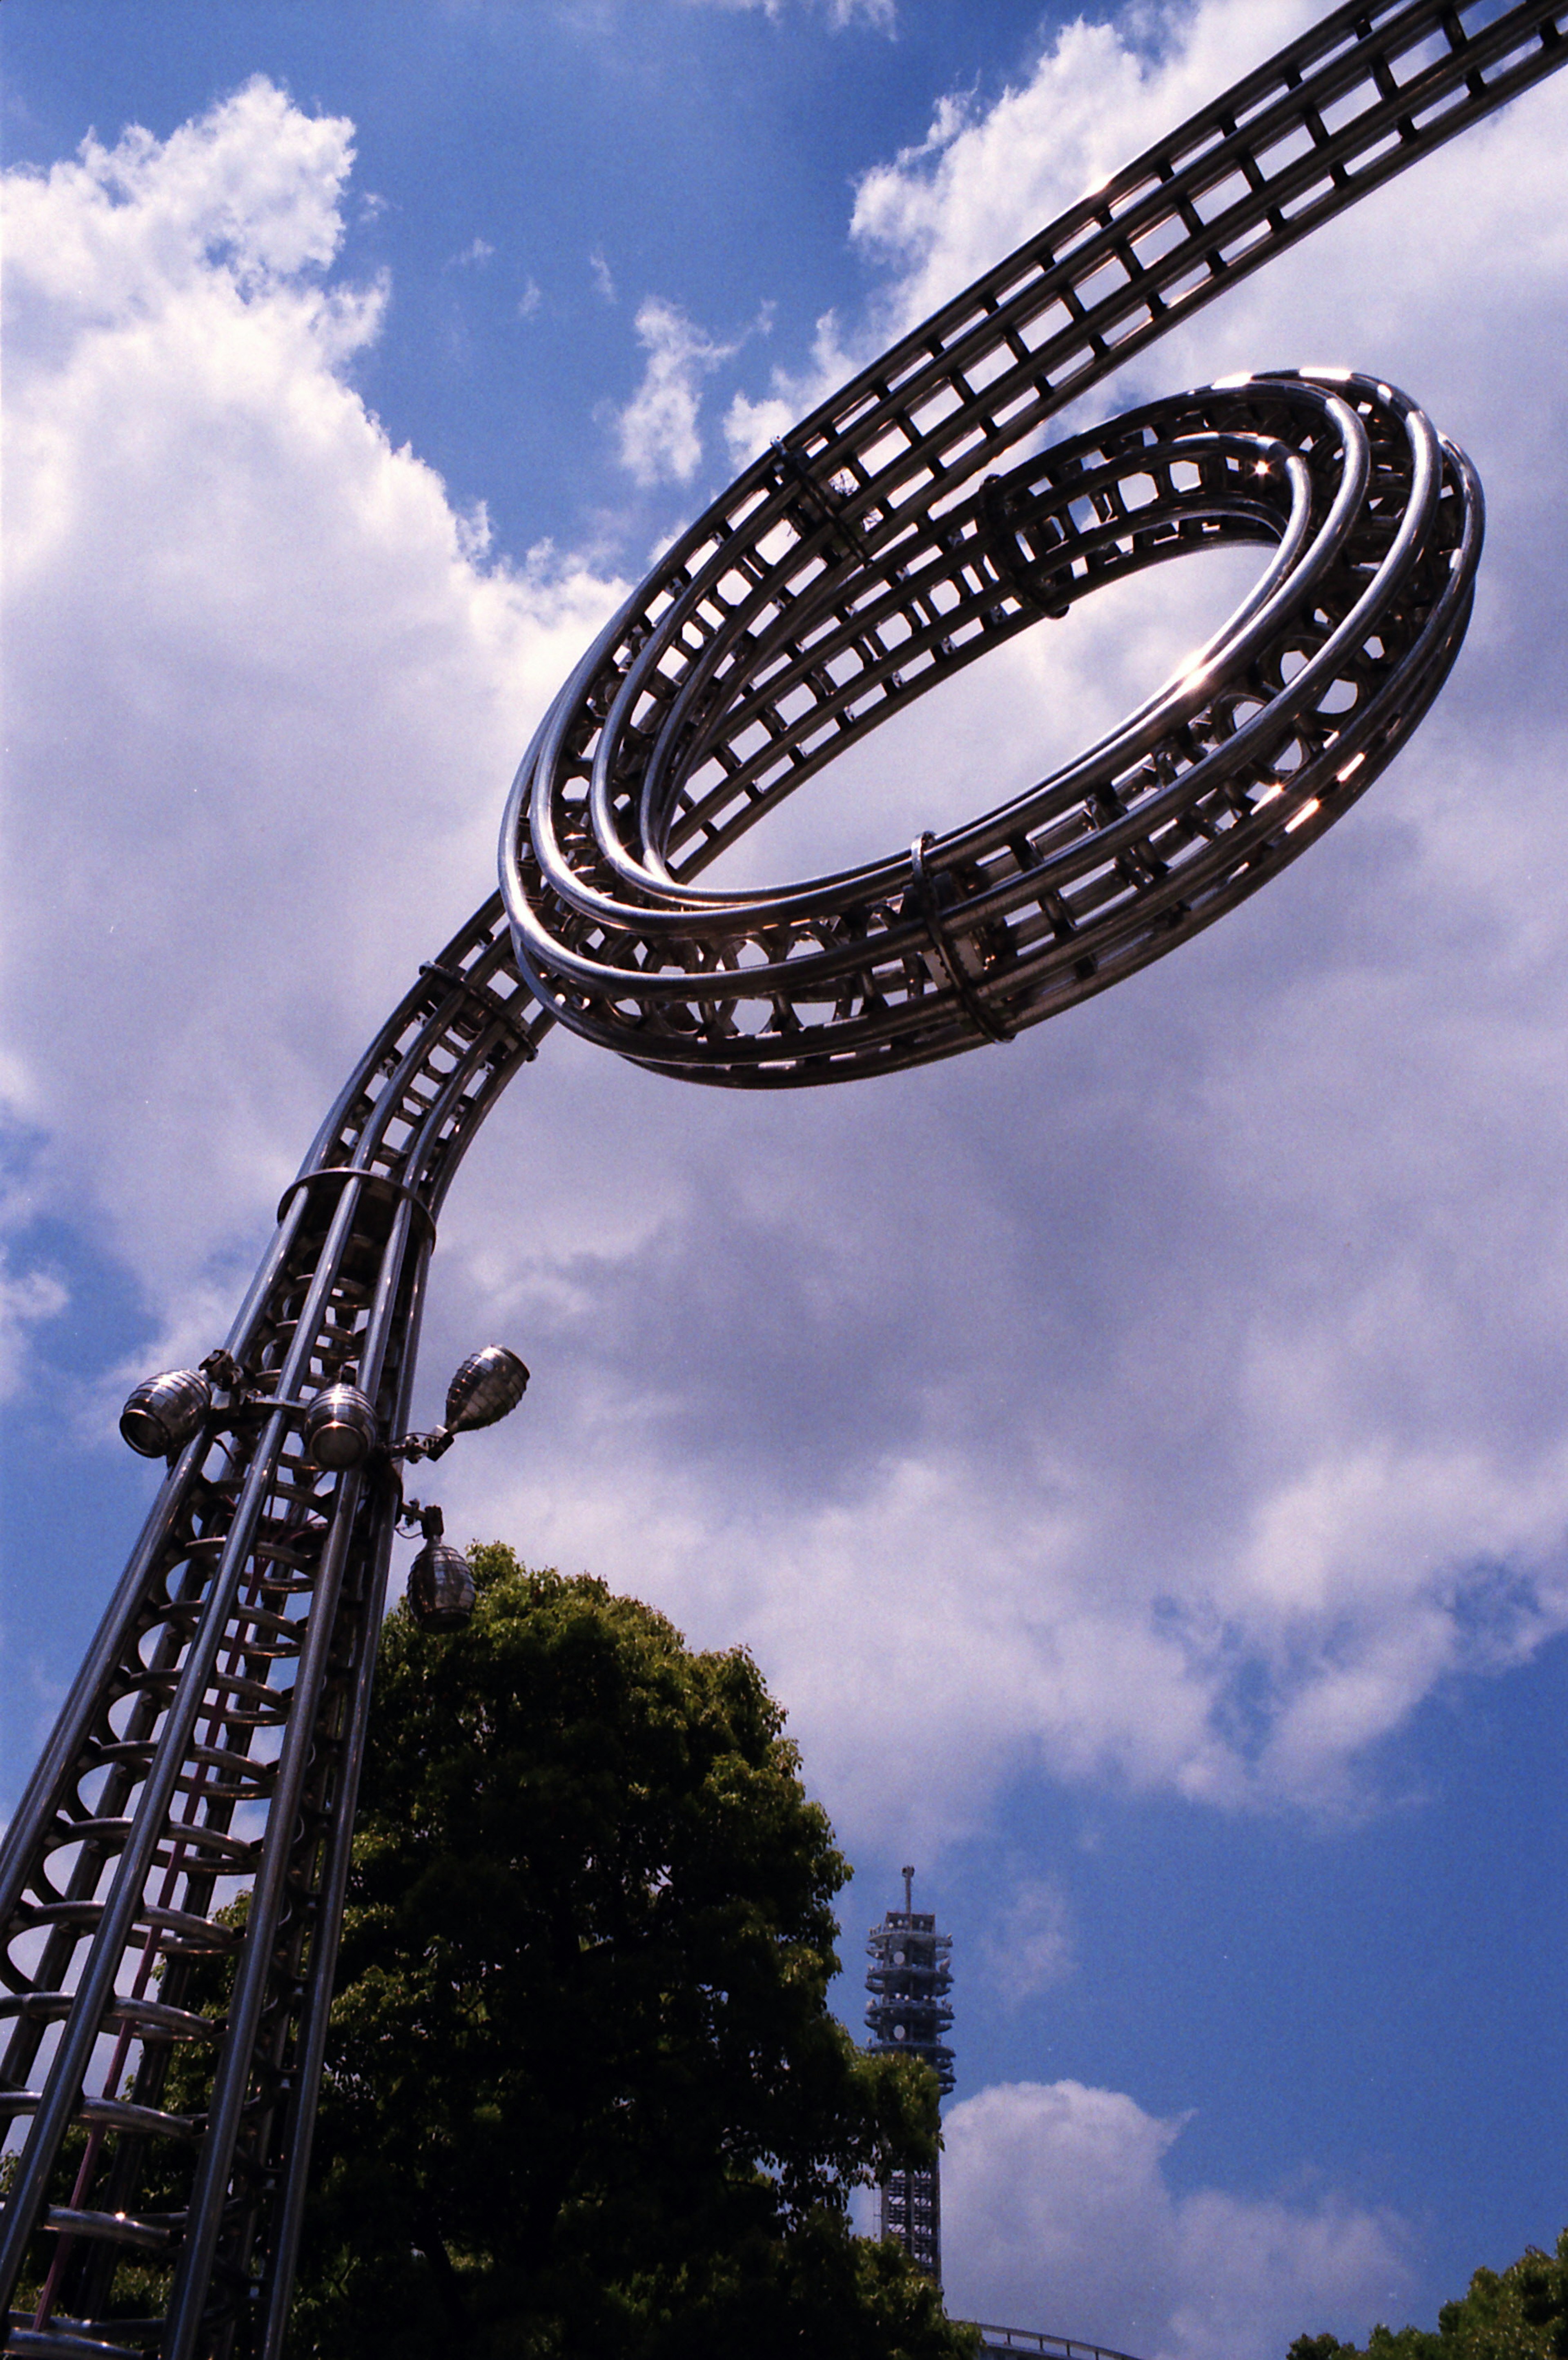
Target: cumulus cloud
(1172,1399)
(984,179)
(1281,1455)
(257,661)
(1057,2212)
(657,430)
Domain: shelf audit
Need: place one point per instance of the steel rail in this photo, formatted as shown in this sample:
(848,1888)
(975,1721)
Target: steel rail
(191,1814)
(1052,2347)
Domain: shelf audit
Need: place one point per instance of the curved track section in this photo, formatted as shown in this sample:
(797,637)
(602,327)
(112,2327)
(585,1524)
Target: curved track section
(163,2048)
(209,1750)
(858,565)
(797,638)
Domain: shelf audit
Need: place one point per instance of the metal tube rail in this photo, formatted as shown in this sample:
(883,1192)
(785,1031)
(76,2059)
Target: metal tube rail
(1054,2347)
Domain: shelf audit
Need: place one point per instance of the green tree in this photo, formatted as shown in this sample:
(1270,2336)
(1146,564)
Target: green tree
(585,2094)
(1519,2313)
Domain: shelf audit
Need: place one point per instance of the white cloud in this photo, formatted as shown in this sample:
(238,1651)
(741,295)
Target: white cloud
(1172,1399)
(254,188)
(603,282)
(1280,1454)
(658,435)
(1058,2213)
(1030,1949)
(263,684)
(983,181)
(26,1296)
(750,426)
(478,251)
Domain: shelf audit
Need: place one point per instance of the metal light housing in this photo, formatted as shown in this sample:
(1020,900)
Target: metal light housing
(164,1412)
(487,1387)
(340,1428)
(441,1588)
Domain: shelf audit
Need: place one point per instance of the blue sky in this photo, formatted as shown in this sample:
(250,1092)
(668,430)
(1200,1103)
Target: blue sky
(1138,1462)
(709,153)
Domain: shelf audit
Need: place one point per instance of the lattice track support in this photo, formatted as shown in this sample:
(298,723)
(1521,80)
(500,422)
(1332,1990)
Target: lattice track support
(209,1746)
(910,2015)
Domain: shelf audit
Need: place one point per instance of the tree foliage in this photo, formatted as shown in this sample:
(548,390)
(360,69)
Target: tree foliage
(585,2094)
(1519,2313)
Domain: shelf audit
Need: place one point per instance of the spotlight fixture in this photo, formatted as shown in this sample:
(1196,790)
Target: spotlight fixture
(441,1583)
(487,1388)
(441,1588)
(164,1412)
(340,1428)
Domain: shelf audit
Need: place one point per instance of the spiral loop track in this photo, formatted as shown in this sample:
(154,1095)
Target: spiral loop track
(725,686)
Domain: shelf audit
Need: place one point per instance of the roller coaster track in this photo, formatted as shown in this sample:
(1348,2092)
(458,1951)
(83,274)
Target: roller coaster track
(209,1746)
(1041,2346)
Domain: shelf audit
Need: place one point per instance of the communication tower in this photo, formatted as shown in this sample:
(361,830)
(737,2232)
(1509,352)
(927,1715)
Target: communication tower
(908,1979)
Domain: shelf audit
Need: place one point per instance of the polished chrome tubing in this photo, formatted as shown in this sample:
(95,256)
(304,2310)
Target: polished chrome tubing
(860,564)
(210,1748)
(1271,731)
(232,1679)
